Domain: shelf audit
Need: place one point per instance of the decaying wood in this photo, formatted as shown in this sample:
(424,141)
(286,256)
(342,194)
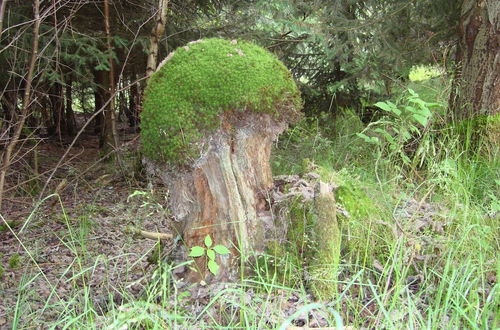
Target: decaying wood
(224,194)
(148,234)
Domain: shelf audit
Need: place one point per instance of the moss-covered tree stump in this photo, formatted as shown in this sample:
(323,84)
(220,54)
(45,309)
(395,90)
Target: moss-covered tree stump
(211,113)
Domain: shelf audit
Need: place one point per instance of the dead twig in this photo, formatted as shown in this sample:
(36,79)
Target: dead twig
(147,234)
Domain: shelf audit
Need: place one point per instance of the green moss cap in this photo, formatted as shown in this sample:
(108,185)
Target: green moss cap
(185,98)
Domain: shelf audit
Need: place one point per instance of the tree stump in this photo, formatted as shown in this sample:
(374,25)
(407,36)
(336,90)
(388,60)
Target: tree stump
(220,105)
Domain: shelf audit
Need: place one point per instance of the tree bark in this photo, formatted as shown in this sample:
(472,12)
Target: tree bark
(132,111)
(225,193)
(56,98)
(6,159)
(156,33)
(109,137)
(476,88)
(9,107)
(3,5)
(100,81)
(70,114)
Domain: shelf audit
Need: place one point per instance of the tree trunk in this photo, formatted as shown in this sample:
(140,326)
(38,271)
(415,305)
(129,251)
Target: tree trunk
(225,193)
(70,114)
(477,84)
(132,112)
(44,106)
(109,138)
(156,33)
(101,80)
(99,96)
(3,5)
(9,107)
(56,98)
(6,159)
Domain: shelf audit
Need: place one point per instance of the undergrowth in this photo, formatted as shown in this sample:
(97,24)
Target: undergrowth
(429,200)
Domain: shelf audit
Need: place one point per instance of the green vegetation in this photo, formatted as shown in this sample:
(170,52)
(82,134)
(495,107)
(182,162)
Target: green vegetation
(397,255)
(327,247)
(186,98)
(15,261)
(396,117)
(210,253)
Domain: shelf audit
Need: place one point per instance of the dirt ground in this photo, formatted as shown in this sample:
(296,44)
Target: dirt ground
(47,255)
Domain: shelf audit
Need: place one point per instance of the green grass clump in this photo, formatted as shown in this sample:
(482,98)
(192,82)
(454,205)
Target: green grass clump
(186,97)
(14,261)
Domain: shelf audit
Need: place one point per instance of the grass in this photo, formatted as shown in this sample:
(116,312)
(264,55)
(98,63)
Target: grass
(439,270)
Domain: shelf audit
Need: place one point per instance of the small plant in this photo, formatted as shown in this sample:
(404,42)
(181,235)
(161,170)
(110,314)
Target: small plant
(404,128)
(149,201)
(14,261)
(199,251)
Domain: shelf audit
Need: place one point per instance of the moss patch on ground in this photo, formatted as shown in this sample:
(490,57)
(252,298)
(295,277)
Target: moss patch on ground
(366,234)
(318,236)
(185,98)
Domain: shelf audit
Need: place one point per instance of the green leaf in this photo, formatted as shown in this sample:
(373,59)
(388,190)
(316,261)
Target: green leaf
(221,249)
(208,241)
(368,139)
(389,107)
(421,119)
(213,267)
(411,109)
(197,251)
(405,158)
(211,254)
(412,92)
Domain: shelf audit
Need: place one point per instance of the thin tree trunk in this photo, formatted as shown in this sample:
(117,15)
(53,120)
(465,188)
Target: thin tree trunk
(100,81)
(110,136)
(26,100)
(9,106)
(156,33)
(70,114)
(133,103)
(46,118)
(57,104)
(3,5)
(476,88)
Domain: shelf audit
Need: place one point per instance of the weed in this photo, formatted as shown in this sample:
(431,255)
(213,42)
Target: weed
(210,252)
(14,261)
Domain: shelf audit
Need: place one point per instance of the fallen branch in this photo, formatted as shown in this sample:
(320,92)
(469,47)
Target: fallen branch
(147,234)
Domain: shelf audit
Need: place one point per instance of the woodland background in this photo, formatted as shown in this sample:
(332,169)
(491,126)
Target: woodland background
(401,100)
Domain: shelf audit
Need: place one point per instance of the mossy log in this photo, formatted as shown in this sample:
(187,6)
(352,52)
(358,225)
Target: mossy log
(324,265)
(315,238)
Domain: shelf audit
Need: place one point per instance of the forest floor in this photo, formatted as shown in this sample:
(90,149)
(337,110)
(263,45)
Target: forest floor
(72,248)
(45,257)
